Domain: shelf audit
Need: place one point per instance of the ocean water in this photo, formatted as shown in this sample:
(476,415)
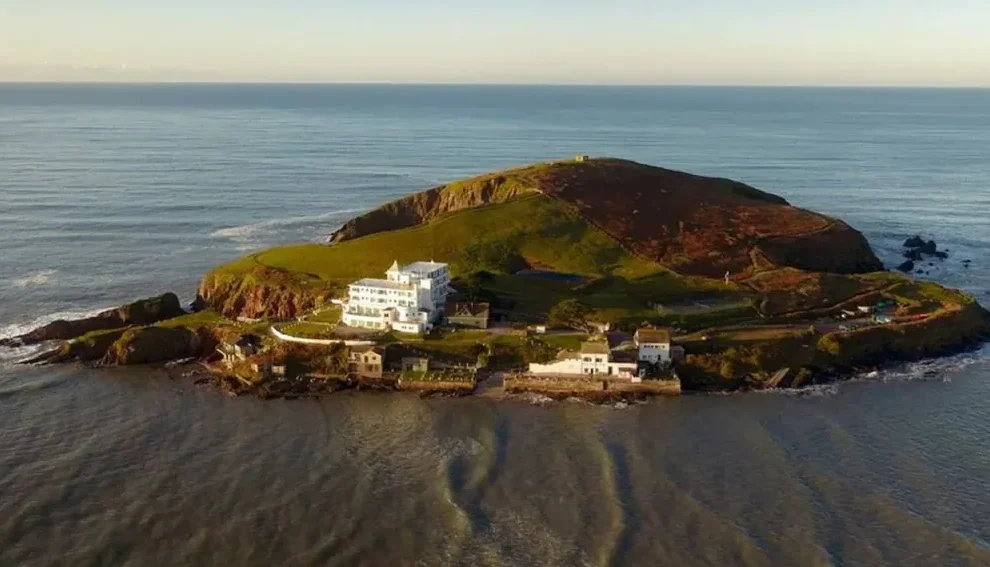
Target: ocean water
(113,192)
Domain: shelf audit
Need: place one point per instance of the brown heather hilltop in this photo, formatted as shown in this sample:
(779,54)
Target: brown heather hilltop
(695,225)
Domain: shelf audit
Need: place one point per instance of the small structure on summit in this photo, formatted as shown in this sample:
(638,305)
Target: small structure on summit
(410,300)
(468,314)
(654,345)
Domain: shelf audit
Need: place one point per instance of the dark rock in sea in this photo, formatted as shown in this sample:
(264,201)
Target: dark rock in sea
(941,254)
(913,254)
(142,312)
(914,242)
(906,266)
(930,247)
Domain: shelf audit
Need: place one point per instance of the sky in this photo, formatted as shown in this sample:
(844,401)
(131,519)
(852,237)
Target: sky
(686,42)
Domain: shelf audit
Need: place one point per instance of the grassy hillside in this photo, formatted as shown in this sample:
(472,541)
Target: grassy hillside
(533,231)
(545,233)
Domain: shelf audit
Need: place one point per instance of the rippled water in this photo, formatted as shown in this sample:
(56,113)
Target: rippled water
(112,192)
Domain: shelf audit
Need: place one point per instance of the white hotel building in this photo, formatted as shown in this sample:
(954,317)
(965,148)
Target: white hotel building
(410,300)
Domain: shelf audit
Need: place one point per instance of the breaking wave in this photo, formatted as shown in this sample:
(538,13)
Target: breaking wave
(259,231)
(41,277)
(929,370)
(11,356)
(15,329)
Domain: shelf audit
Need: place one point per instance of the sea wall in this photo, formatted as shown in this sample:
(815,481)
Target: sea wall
(652,387)
(438,386)
(590,388)
(551,384)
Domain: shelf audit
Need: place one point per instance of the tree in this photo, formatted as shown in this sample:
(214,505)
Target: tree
(493,256)
(570,313)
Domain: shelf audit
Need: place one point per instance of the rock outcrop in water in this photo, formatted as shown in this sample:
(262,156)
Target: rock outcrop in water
(141,312)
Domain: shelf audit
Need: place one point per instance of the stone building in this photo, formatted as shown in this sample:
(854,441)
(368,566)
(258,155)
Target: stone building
(467,314)
(366,362)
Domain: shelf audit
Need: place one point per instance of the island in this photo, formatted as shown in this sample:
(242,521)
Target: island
(591,277)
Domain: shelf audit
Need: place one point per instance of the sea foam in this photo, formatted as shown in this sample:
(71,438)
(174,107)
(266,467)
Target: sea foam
(254,232)
(42,277)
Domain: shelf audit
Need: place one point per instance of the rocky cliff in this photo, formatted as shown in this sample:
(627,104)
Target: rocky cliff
(141,312)
(148,345)
(419,208)
(263,293)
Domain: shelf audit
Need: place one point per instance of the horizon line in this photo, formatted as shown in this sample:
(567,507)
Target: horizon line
(9,82)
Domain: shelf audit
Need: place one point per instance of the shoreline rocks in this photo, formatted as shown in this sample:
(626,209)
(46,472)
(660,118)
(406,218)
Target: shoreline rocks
(142,312)
(917,249)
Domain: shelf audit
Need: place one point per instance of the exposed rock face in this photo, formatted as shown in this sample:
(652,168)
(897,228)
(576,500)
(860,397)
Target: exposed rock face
(695,225)
(427,205)
(142,312)
(157,344)
(265,294)
(90,348)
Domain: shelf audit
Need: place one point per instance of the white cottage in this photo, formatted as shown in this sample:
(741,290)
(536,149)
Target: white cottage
(654,345)
(594,359)
(409,300)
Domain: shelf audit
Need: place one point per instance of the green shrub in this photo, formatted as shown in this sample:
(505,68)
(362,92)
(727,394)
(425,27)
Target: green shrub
(570,314)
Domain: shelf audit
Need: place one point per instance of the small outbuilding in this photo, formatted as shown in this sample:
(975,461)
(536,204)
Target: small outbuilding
(415,364)
(468,314)
(366,362)
(239,351)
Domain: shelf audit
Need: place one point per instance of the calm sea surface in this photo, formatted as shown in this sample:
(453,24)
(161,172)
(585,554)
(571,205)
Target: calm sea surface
(109,193)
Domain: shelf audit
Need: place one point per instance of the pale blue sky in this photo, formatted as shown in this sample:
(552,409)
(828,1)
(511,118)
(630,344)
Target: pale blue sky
(741,42)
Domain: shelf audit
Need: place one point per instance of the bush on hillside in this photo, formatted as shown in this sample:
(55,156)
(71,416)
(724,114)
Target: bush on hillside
(570,314)
(494,256)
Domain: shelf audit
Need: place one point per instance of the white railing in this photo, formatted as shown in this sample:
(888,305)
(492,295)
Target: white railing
(322,342)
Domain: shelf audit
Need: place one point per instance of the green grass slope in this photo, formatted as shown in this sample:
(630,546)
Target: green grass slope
(545,233)
(531,231)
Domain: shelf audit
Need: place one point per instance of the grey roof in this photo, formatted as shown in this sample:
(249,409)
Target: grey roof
(594,347)
(653,336)
(423,267)
(467,309)
(386,284)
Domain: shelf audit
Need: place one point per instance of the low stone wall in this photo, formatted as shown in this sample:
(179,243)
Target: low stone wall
(436,386)
(577,385)
(552,384)
(652,387)
(322,342)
